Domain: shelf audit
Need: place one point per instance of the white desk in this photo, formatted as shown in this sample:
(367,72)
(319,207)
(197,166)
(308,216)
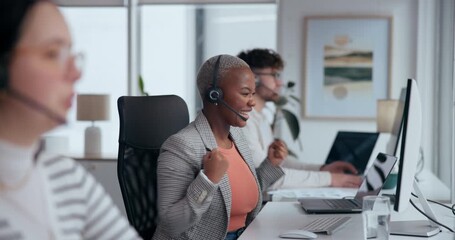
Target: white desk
(431,186)
(278,217)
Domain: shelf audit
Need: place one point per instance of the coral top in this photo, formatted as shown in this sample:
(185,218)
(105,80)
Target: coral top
(244,190)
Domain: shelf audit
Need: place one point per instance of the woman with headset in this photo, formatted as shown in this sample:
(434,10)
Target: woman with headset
(43,196)
(208,187)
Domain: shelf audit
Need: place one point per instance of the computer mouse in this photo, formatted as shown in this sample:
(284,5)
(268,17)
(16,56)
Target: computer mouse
(298,234)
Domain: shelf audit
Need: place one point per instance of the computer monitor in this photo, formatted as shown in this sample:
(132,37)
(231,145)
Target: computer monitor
(411,129)
(353,147)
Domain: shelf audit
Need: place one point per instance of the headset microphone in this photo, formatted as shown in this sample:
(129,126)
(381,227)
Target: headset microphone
(37,106)
(232,110)
(280,101)
(25,100)
(215,95)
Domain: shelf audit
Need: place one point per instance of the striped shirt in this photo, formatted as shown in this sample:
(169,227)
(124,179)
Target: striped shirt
(54,197)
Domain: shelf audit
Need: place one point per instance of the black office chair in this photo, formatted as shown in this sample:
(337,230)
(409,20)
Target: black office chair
(145,123)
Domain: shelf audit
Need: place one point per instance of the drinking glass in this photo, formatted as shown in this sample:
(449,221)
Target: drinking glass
(376,217)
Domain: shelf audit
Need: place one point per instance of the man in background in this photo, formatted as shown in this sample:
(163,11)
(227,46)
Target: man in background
(267,65)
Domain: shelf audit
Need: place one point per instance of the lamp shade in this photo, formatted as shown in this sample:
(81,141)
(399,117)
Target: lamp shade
(386,111)
(93,107)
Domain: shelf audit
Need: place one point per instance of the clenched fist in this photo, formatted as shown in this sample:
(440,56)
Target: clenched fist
(277,152)
(215,165)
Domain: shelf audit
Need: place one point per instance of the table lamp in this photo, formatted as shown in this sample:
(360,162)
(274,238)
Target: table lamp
(385,118)
(92,107)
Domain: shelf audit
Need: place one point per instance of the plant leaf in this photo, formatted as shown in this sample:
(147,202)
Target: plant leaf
(141,86)
(292,122)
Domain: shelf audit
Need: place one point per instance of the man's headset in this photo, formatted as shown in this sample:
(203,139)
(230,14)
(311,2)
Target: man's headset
(259,84)
(214,94)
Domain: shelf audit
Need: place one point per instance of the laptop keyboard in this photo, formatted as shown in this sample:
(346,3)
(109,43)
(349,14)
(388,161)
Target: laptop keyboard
(326,225)
(341,203)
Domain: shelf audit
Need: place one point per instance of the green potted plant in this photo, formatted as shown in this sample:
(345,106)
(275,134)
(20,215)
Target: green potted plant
(286,106)
(141,86)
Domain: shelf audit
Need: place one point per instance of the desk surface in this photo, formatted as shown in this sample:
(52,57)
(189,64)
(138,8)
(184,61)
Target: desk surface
(431,186)
(102,157)
(278,217)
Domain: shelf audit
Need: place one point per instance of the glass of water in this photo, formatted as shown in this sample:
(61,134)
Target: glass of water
(376,217)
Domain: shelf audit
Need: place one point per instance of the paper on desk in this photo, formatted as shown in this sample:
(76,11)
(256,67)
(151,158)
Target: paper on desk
(294,194)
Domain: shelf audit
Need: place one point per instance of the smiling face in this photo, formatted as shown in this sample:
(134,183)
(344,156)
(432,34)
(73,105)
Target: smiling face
(238,87)
(41,67)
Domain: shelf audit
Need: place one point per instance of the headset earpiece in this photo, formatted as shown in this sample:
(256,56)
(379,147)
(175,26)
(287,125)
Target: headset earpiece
(3,73)
(214,94)
(3,77)
(257,79)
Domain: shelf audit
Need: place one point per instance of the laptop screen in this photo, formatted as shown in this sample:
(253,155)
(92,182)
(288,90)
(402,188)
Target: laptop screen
(376,175)
(353,147)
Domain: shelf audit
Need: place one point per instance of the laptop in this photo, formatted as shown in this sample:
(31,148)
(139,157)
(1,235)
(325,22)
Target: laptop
(371,185)
(353,147)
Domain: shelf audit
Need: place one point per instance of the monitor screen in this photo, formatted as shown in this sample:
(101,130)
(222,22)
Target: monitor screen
(376,175)
(353,147)
(411,129)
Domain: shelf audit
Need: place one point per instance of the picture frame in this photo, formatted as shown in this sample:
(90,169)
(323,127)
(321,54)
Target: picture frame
(346,66)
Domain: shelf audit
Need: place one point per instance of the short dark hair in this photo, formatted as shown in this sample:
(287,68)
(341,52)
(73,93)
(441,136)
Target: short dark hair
(12,14)
(206,71)
(262,58)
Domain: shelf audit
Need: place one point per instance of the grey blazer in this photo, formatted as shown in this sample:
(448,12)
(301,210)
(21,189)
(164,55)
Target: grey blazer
(189,205)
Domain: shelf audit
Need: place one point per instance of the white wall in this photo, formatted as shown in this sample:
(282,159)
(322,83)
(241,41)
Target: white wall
(317,135)
(237,28)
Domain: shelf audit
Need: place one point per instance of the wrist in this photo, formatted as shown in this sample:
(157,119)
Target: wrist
(322,167)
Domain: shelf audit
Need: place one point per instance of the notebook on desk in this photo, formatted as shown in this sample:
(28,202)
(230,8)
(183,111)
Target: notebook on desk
(371,185)
(353,147)
(291,195)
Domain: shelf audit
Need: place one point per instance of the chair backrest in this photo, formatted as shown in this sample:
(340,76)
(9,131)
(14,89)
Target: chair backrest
(145,123)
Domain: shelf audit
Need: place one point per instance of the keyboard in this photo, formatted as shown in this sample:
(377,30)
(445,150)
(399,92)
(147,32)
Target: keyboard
(326,225)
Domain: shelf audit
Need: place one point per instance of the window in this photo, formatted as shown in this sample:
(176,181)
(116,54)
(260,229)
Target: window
(175,39)
(101,34)
(173,52)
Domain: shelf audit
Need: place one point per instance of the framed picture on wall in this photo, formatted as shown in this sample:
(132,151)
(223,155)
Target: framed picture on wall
(346,66)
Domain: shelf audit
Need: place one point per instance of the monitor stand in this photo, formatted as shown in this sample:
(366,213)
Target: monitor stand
(419,228)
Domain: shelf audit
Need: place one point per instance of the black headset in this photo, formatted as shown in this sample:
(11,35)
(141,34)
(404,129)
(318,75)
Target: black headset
(3,72)
(257,80)
(214,94)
